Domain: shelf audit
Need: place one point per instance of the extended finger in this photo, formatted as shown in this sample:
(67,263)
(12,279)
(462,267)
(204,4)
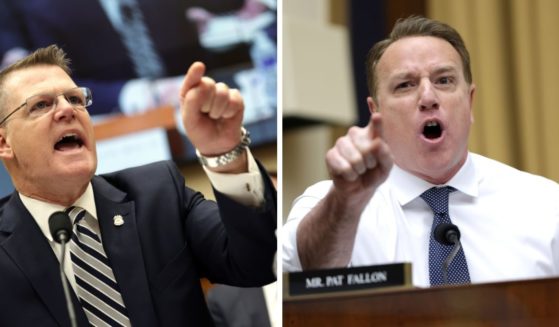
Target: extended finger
(362,140)
(193,77)
(195,99)
(382,152)
(376,125)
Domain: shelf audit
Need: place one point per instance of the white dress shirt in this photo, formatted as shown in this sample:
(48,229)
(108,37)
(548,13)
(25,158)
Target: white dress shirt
(271,296)
(509,221)
(246,188)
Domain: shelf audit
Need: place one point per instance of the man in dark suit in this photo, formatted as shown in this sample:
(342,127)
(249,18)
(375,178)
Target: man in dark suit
(159,237)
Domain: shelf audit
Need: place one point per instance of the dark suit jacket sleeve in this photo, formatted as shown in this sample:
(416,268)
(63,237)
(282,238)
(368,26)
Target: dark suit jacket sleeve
(243,238)
(228,243)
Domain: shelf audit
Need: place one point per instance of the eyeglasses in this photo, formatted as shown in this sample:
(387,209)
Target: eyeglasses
(40,104)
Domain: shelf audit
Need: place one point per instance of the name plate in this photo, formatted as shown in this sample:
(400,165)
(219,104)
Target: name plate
(344,280)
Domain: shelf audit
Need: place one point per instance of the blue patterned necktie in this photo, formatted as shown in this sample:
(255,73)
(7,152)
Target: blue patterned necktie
(95,282)
(437,199)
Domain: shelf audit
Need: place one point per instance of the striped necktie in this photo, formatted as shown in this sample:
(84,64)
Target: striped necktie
(128,20)
(96,284)
(458,273)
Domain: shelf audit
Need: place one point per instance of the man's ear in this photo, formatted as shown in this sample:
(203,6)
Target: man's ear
(472,93)
(6,151)
(372,105)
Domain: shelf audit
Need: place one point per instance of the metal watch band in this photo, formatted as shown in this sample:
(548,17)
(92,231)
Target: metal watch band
(226,158)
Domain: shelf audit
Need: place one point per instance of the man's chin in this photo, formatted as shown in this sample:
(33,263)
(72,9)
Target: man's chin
(76,161)
(77,171)
(439,170)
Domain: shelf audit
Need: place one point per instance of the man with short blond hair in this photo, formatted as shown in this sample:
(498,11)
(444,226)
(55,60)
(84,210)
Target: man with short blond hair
(141,240)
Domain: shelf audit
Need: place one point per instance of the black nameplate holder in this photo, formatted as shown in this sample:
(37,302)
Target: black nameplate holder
(347,280)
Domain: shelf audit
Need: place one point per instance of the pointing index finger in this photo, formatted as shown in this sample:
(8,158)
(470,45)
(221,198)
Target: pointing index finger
(375,125)
(193,77)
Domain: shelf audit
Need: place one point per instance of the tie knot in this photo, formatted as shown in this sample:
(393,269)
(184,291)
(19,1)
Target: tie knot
(437,198)
(75,214)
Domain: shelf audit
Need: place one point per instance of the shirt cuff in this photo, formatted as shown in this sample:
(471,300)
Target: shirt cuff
(246,188)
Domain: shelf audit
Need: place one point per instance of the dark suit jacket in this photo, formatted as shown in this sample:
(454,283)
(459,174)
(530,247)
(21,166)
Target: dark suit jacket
(170,239)
(232,306)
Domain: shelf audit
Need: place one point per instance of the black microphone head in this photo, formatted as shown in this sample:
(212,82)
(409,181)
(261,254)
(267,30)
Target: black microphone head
(444,233)
(59,223)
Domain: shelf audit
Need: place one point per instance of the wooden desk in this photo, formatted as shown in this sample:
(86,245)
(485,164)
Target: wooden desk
(162,117)
(519,303)
(118,125)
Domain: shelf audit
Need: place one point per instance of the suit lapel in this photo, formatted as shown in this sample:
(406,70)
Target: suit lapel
(30,251)
(122,245)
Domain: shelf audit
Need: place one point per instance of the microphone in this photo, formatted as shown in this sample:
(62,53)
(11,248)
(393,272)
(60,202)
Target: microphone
(60,227)
(61,230)
(448,234)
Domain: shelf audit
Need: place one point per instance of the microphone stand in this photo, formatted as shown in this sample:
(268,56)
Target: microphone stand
(448,234)
(448,260)
(69,303)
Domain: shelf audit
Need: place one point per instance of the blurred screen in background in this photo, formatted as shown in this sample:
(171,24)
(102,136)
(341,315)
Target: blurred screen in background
(5,182)
(133,55)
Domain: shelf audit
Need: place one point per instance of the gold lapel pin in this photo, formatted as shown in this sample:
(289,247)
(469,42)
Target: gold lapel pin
(118,220)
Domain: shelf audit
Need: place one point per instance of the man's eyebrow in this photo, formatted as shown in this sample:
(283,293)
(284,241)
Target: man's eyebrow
(407,74)
(445,69)
(401,75)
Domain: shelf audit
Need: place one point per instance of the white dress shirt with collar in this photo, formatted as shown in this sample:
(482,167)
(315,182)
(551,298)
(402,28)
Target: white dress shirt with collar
(41,212)
(509,221)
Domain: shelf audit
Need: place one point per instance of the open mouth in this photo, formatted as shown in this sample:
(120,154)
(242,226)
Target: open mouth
(432,130)
(68,142)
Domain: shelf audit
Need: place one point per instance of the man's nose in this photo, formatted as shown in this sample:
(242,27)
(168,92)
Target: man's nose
(63,110)
(428,97)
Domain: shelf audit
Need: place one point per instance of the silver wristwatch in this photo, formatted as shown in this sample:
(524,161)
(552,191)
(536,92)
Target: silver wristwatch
(226,158)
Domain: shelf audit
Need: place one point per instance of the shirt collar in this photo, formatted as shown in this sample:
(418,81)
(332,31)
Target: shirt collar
(41,210)
(407,187)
